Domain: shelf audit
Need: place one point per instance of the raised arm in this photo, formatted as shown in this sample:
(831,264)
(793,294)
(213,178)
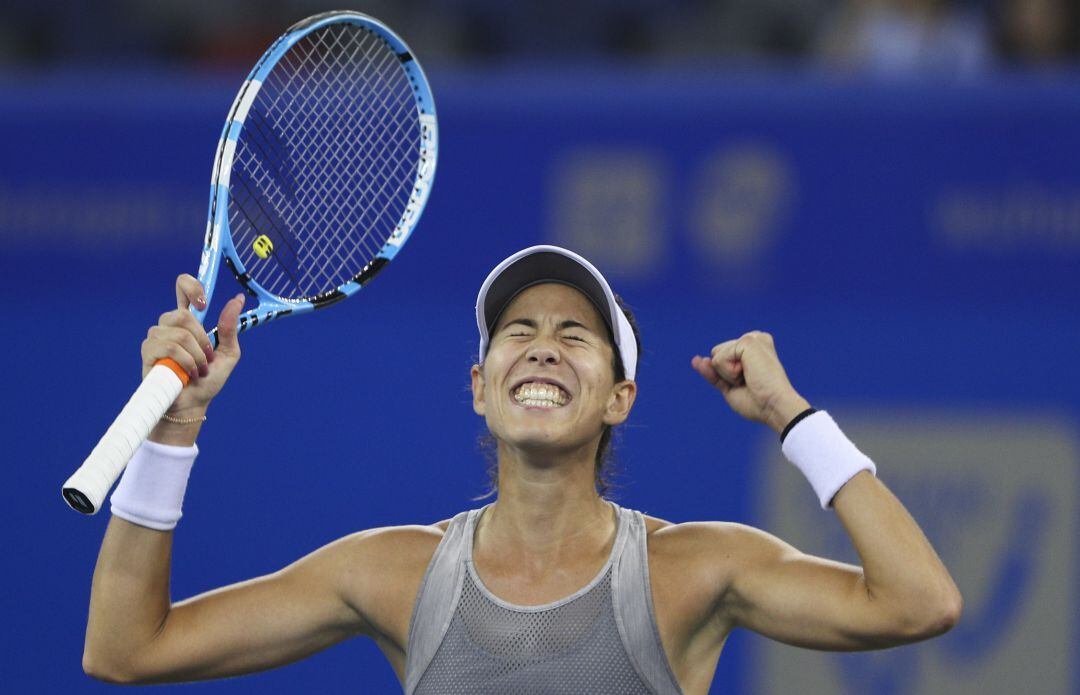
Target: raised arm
(902,593)
(134,633)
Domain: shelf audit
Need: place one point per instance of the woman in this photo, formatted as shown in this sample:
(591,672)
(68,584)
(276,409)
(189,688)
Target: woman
(550,588)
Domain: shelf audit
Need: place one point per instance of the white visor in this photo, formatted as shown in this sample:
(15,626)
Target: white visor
(539,264)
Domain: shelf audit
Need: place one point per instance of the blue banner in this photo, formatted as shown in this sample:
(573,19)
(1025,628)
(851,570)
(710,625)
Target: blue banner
(914,248)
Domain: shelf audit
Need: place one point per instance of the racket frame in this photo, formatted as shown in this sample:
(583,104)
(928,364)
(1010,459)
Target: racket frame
(218,244)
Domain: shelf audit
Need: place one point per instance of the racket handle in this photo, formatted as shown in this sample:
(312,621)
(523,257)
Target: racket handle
(86,489)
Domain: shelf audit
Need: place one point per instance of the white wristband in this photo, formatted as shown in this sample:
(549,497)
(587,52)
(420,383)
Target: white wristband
(151,492)
(825,456)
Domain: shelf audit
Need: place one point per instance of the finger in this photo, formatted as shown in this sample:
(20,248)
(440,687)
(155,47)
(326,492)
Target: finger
(185,339)
(704,367)
(729,351)
(173,335)
(155,349)
(730,370)
(226,326)
(727,361)
(182,318)
(189,292)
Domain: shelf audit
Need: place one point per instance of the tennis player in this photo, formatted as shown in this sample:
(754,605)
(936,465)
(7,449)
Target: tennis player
(550,588)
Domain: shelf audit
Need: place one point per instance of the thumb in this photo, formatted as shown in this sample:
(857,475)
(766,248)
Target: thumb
(704,367)
(227,325)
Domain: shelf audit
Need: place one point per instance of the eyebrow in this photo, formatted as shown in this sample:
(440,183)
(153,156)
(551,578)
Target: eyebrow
(529,323)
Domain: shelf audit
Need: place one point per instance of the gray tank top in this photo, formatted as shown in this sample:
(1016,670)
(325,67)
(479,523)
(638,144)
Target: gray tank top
(601,639)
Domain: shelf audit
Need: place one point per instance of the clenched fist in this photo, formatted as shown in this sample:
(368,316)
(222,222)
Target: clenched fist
(749,374)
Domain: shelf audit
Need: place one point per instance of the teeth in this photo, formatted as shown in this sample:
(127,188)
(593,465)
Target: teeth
(542,395)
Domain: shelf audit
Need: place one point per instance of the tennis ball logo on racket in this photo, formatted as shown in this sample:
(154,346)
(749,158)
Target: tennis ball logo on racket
(263,246)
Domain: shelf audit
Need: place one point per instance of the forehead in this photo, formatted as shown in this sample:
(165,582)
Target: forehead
(557,301)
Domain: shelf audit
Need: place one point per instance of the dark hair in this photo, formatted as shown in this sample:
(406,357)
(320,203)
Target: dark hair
(604,470)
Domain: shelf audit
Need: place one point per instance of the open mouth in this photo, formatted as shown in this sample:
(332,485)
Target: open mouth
(540,394)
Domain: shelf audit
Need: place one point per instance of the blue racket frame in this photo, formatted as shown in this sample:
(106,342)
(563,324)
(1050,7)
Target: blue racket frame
(218,242)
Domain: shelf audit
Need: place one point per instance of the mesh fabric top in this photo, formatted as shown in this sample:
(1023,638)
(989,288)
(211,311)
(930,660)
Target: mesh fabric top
(574,648)
(602,639)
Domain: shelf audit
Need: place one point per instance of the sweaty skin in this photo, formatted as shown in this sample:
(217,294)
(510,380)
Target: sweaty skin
(545,537)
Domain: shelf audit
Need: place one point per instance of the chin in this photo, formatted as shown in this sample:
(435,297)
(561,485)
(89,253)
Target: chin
(526,439)
(546,441)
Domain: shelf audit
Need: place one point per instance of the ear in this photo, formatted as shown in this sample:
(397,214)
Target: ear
(620,402)
(477,374)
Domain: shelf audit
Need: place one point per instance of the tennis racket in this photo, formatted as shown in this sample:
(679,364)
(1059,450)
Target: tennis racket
(322,171)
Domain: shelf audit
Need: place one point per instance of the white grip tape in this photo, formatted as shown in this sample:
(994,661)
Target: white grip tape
(132,426)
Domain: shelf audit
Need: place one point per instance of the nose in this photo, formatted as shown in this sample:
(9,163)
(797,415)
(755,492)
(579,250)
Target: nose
(542,351)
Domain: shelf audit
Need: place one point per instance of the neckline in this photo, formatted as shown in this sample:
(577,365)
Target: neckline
(470,531)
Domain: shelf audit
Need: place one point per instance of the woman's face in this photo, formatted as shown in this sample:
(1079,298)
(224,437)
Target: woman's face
(547,382)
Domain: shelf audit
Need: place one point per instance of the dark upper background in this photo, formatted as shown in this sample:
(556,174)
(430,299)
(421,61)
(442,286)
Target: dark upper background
(887,186)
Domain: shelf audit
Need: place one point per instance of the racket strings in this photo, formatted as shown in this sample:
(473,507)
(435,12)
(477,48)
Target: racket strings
(381,179)
(323,90)
(373,72)
(325,163)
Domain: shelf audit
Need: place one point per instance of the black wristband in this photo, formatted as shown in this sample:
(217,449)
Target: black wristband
(796,420)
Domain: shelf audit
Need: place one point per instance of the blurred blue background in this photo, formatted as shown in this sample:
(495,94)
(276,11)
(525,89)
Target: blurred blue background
(888,186)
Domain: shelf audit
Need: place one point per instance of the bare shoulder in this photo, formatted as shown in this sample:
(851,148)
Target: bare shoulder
(393,550)
(726,538)
(704,556)
(381,571)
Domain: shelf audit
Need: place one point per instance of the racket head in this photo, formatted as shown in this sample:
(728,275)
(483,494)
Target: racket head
(324,166)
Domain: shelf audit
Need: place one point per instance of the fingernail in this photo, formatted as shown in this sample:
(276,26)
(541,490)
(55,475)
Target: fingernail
(209,353)
(201,302)
(203,370)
